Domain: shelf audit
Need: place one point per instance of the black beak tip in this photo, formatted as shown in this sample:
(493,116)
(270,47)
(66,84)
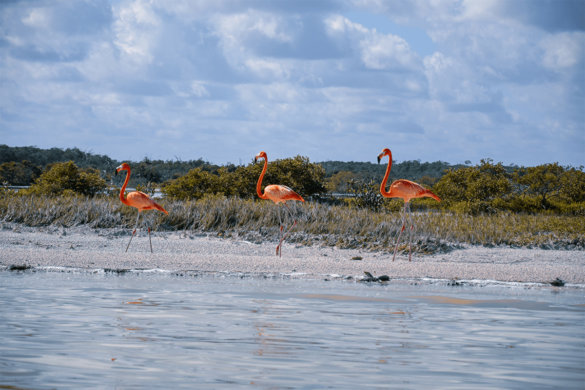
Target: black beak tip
(379,159)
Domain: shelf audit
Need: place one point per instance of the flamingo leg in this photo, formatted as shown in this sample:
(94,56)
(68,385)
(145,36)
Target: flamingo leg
(133,232)
(149,240)
(401,230)
(280,228)
(291,226)
(410,232)
(283,236)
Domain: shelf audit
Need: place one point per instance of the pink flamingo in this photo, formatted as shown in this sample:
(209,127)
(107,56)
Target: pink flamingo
(278,194)
(406,190)
(139,200)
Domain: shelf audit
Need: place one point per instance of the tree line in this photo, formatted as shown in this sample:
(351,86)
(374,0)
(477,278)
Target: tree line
(20,166)
(487,187)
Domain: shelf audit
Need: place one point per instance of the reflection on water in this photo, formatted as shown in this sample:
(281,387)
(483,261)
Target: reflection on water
(85,330)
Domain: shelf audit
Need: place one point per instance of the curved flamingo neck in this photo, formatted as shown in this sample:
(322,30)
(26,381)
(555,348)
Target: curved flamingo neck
(385,180)
(123,189)
(259,184)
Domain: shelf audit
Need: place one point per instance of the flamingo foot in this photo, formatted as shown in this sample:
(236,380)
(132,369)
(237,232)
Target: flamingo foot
(279,250)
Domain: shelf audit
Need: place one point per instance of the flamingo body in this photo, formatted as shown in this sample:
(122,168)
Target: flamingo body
(143,202)
(277,193)
(137,199)
(406,190)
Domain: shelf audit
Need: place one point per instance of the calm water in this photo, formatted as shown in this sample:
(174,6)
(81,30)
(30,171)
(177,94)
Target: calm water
(158,330)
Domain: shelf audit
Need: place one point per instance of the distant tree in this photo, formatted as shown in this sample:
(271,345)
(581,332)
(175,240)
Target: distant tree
(298,173)
(340,181)
(18,173)
(194,185)
(550,184)
(148,170)
(474,189)
(573,185)
(64,178)
(366,194)
(242,181)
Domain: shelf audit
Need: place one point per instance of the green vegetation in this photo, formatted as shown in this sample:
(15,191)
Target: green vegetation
(318,224)
(411,170)
(473,189)
(490,188)
(158,171)
(298,173)
(67,179)
(18,173)
(34,160)
(487,204)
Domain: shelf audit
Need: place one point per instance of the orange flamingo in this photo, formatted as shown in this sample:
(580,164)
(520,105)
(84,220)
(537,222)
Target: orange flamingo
(137,199)
(406,190)
(278,194)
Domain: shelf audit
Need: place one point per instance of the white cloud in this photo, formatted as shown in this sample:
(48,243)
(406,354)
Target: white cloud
(563,50)
(37,18)
(376,51)
(136,25)
(300,74)
(198,89)
(267,69)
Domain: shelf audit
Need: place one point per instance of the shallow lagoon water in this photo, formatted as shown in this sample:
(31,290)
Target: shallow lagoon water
(155,329)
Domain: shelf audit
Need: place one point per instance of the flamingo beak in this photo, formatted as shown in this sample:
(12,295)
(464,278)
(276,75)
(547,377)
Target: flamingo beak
(379,158)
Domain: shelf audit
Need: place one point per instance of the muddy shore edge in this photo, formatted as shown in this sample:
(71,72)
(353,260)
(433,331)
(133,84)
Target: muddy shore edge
(87,248)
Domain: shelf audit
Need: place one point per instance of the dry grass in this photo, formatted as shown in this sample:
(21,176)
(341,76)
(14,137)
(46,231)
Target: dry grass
(318,224)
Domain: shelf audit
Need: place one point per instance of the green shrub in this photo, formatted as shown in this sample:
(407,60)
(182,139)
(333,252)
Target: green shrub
(193,185)
(18,173)
(298,173)
(473,188)
(66,178)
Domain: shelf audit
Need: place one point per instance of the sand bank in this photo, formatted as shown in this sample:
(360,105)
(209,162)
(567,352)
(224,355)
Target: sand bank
(87,248)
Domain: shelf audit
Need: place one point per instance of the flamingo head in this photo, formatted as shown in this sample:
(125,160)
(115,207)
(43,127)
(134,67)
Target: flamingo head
(260,155)
(122,167)
(385,152)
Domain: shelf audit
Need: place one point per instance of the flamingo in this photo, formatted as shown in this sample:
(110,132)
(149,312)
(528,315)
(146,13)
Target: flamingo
(278,194)
(406,190)
(137,199)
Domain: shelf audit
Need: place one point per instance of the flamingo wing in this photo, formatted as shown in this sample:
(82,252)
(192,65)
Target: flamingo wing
(279,193)
(142,201)
(408,190)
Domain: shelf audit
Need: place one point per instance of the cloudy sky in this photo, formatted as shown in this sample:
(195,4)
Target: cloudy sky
(449,80)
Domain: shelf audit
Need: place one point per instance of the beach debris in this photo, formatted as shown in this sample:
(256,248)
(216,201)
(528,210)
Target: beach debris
(558,282)
(119,271)
(19,267)
(455,282)
(357,258)
(371,278)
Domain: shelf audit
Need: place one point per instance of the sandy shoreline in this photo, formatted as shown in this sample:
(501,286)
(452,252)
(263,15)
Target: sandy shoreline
(87,248)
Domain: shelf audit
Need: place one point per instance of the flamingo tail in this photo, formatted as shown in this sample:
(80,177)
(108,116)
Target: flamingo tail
(430,194)
(160,208)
